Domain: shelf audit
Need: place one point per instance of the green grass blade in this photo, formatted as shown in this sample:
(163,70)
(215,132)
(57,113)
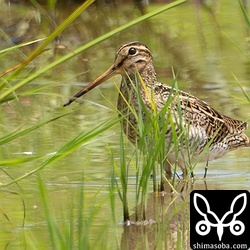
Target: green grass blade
(244,13)
(54,233)
(14,161)
(18,46)
(14,135)
(69,147)
(124,179)
(84,47)
(242,89)
(56,32)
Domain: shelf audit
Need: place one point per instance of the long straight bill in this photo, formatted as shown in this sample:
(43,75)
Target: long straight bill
(102,78)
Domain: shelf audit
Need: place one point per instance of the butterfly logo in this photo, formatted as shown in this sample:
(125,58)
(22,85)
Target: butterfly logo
(203,227)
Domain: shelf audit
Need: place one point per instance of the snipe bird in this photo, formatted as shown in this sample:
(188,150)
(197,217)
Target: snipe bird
(207,128)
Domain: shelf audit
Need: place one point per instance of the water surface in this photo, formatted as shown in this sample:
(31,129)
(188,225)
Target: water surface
(208,46)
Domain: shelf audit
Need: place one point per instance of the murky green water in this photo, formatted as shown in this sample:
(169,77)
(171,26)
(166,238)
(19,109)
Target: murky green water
(207,46)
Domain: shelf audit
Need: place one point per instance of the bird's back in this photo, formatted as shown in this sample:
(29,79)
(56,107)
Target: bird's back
(204,123)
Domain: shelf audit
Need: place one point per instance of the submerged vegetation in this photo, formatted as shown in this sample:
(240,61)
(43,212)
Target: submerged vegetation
(63,218)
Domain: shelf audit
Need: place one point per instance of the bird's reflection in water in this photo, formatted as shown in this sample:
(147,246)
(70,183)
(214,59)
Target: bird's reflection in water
(167,224)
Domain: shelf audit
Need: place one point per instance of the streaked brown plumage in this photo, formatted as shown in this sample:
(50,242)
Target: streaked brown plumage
(205,125)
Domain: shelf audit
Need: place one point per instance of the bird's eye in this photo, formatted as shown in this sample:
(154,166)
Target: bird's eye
(132,51)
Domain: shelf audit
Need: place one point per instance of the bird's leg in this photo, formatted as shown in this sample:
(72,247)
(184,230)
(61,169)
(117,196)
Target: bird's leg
(168,172)
(192,174)
(183,169)
(187,171)
(206,168)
